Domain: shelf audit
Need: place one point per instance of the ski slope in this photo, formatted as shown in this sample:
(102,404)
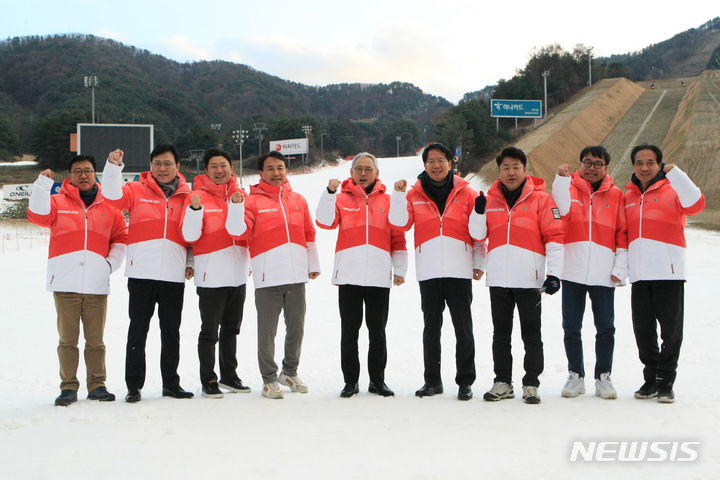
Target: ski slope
(321,436)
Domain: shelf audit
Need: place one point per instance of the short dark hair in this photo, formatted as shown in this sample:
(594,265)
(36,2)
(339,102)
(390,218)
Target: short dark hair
(81,158)
(646,146)
(437,146)
(512,152)
(160,149)
(214,152)
(597,151)
(273,154)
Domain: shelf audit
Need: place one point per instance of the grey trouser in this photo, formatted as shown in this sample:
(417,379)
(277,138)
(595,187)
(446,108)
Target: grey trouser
(269,301)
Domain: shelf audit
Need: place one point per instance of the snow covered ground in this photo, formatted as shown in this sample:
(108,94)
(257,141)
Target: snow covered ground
(319,435)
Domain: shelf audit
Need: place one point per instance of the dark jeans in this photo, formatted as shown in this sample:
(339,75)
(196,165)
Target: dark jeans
(653,302)
(351,299)
(457,294)
(222,308)
(168,296)
(603,308)
(502,306)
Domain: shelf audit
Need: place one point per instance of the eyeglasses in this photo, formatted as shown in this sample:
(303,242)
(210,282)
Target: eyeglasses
(364,169)
(83,171)
(587,163)
(166,164)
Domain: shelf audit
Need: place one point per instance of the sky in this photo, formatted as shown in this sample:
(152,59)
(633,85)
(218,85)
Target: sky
(447,48)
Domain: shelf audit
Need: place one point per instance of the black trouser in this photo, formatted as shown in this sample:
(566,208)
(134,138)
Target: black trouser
(502,306)
(653,302)
(222,308)
(457,294)
(144,294)
(351,299)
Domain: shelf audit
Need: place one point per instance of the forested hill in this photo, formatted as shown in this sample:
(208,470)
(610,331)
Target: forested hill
(41,75)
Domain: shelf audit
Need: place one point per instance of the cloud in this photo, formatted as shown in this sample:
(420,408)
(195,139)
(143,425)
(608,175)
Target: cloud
(184,49)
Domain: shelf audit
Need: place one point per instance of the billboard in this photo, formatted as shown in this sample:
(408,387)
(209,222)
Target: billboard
(293,146)
(516,108)
(99,139)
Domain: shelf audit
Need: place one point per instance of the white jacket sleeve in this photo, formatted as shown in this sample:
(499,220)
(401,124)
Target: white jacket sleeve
(116,255)
(398,215)
(620,267)
(687,191)
(399,262)
(192,224)
(40,195)
(480,255)
(112,181)
(555,256)
(313,258)
(561,193)
(325,211)
(477,225)
(235,221)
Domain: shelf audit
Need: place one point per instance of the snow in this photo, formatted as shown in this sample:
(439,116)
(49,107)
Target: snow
(21,163)
(319,435)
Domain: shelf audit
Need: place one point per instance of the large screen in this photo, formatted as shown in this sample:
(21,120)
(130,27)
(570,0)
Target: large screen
(99,139)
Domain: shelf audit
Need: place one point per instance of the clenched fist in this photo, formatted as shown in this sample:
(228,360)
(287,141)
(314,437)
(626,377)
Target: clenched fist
(237,197)
(195,202)
(116,157)
(400,186)
(563,170)
(333,185)
(48,173)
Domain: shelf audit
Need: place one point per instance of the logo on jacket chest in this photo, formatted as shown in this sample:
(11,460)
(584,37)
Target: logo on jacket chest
(267,210)
(149,200)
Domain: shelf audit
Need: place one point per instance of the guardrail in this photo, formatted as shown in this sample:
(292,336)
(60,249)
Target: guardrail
(15,240)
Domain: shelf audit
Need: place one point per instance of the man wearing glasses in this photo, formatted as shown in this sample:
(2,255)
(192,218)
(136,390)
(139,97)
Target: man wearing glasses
(446,258)
(595,262)
(87,244)
(157,262)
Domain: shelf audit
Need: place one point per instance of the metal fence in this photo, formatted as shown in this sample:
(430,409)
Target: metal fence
(15,240)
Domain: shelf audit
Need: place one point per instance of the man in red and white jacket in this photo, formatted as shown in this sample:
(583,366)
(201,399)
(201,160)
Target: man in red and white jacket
(283,256)
(595,238)
(369,257)
(157,262)
(87,244)
(221,271)
(524,232)
(446,258)
(658,199)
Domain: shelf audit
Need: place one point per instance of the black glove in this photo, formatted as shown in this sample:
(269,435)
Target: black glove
(480,202)
(551,284)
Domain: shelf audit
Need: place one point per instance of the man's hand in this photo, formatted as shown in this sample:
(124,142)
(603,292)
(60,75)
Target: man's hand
(400,186)
(48,173)
(189,273)
(195,202)
(333,185)
(397,280)
(563,170)
(116,157)
(477,274)
(551,285)
(480,203)
(313,275)
(237,197)
(668,167)
(615,279)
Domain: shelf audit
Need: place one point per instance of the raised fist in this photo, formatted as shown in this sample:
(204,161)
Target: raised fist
(333,184)
(195,202)
(400,186)
(116,157)
(480,203)
(48,173)
(667,167)
(237,197)
(563,170)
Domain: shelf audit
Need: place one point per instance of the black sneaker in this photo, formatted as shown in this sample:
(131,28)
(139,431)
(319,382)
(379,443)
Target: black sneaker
(428,390)
(464,392)
(235,386)
(66,397)
(211,390)
(349,390)
(176,391)
(665,393)
(648,390)
(381,389)
(133,395)
(101,394)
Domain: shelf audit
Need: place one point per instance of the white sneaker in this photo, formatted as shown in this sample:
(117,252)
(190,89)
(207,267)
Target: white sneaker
(272,390)
(531,395)
(295,384)
(604,387)
(499,391)
(574,386)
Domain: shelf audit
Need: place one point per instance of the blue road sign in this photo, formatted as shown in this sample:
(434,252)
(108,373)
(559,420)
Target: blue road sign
(516,108)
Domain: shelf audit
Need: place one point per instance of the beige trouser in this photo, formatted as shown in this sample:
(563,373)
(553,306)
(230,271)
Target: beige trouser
(91,309)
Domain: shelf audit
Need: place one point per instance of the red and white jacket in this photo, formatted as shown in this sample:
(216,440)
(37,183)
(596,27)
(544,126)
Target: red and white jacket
(280,234)
(595,232)
(522,238)
(368,250)
(156,249)
(219,259)
(87,244)
(656,226)
(443,247)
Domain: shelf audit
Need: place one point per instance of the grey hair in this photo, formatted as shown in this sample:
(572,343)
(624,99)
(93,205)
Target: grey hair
(363,155)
